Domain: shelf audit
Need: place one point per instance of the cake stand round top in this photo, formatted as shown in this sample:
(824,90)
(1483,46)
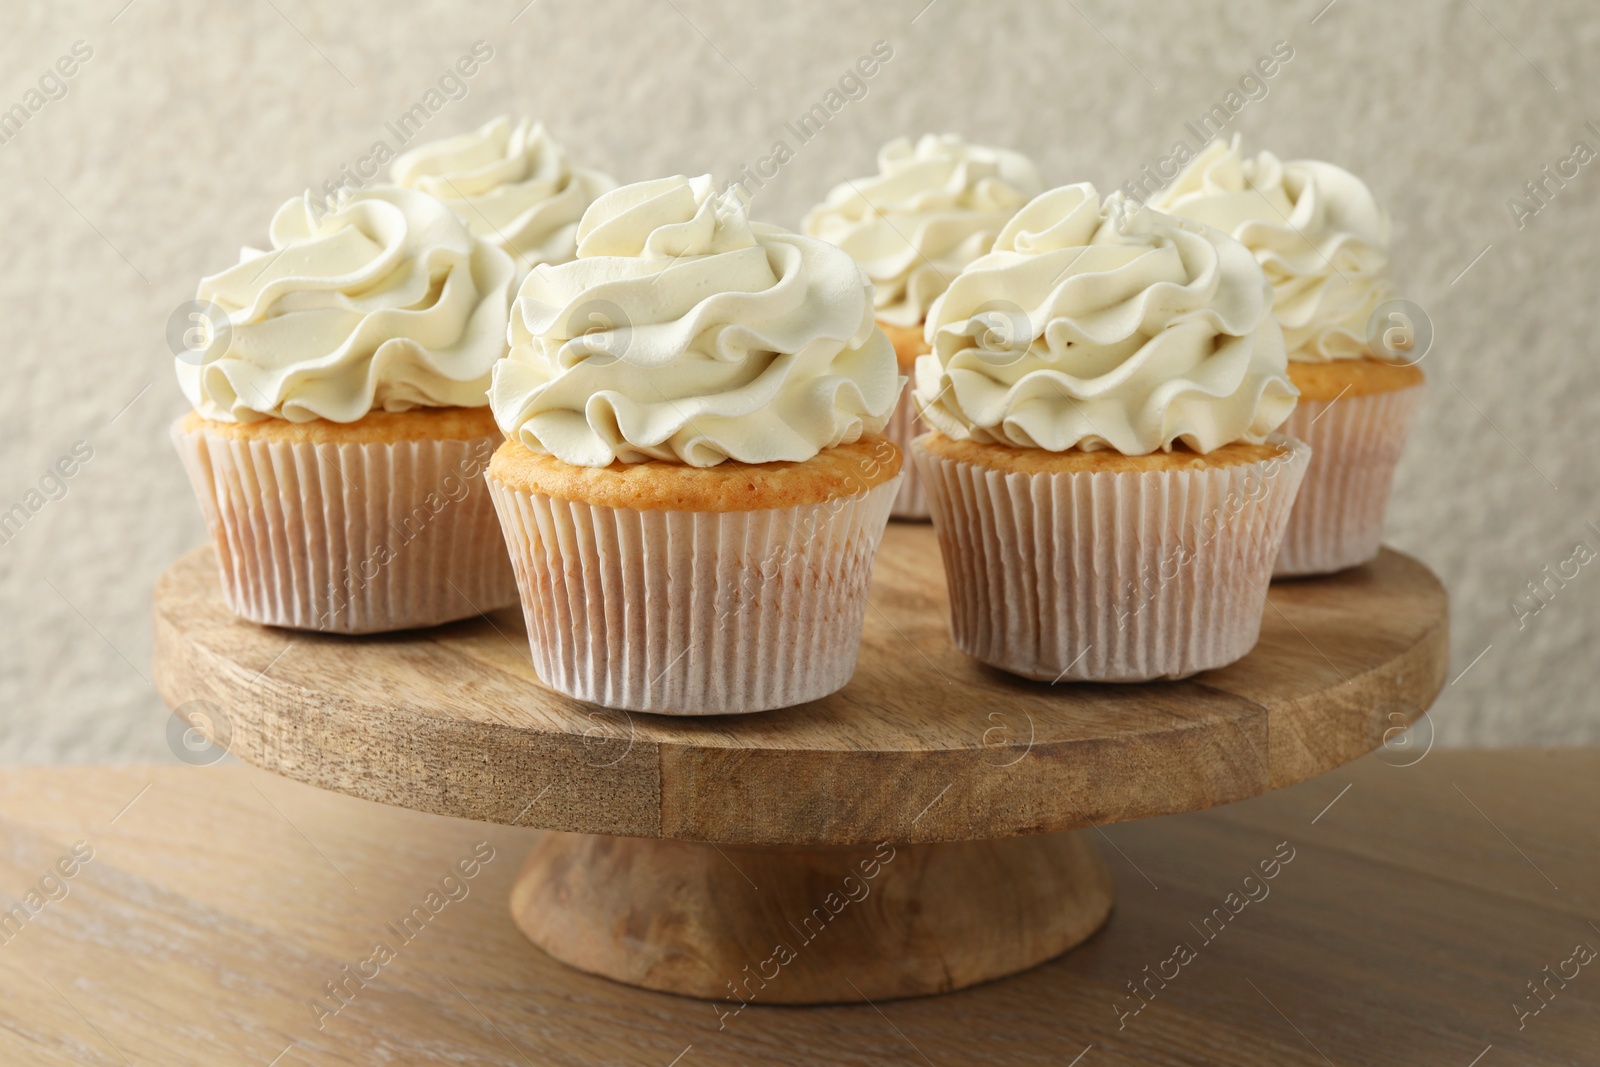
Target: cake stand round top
(924,744)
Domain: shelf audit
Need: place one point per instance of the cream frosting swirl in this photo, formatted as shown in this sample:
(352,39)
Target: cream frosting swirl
(1105,325)
(1316,229)
(930,210)
(685,332)
(511,183)
(386,302)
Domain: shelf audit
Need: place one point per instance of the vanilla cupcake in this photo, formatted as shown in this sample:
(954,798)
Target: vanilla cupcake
(340,428)
(1323,242)
(694,483)
(1101,389)
(512,185)
(930,210)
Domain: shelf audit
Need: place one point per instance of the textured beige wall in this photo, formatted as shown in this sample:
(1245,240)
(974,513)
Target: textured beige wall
(191,122)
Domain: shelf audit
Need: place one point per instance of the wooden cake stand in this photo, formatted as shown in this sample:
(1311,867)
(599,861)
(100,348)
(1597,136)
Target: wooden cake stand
(926,828)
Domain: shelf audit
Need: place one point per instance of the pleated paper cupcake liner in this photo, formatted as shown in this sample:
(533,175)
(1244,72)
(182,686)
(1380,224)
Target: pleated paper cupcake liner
(1337,522)
(904,427)
(694,613)
(1109,576)
(350,538)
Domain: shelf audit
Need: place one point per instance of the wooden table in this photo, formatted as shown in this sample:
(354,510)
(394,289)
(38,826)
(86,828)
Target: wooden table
(1419,903)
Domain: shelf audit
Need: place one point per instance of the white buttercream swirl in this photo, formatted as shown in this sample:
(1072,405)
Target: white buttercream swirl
(685,332)
(1316,229)
(1105,325)
(387,303)
(928,212)
(511,183)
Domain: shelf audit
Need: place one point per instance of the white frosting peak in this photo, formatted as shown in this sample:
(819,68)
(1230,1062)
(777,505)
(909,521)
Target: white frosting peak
(685,332)
(930,210)
(666,218)
(1105,325)
(512,185)
(1316,229)
(387,303)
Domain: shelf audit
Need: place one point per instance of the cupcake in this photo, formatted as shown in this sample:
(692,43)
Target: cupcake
(694,482)
(1102,471)
(341,426)
(512,185)
(930,210)
(1323,242)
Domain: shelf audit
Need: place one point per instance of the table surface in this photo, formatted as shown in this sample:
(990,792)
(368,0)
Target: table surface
(417,719)
(219,901)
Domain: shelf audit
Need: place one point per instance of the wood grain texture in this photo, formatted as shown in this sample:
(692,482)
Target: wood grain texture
(828,924)
(222,900)
(923,745)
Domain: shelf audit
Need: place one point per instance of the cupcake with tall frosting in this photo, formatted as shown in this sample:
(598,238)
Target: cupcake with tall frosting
(1105,480)
(512,185)
(932,208)
(1323,241)
(694,482)
(341,427)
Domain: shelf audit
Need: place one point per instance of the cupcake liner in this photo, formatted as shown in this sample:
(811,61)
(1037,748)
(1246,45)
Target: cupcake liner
(694,613)
(350,538)
(1355,442)
(1109,576)
(904,426)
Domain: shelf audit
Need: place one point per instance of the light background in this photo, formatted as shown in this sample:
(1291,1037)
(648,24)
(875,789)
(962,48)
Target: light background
(192,122)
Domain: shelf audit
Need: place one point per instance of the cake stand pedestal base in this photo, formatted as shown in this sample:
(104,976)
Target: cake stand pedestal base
(825,924)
